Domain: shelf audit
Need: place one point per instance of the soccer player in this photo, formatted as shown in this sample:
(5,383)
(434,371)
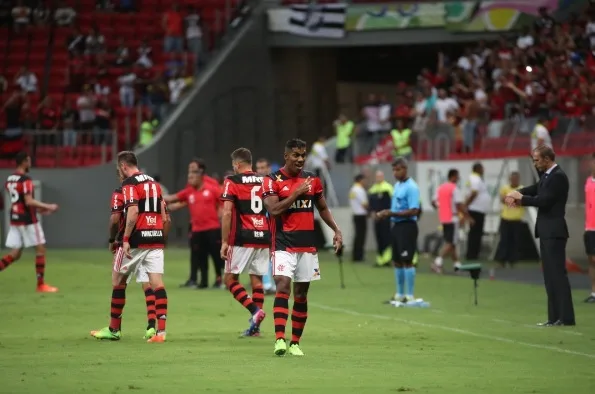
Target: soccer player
(263,168)
(142,246)
(404,210)
(203,204)
(590,227)
(25,230)
(450,205)
(290,195)
(245,235)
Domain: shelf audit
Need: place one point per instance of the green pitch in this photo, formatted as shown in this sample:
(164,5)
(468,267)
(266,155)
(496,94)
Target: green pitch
(353,343)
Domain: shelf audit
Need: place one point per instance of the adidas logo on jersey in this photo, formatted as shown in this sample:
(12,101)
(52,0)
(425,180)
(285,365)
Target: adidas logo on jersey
(285,189)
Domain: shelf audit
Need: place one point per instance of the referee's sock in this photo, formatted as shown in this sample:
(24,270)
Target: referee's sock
(400,279)
(410,279)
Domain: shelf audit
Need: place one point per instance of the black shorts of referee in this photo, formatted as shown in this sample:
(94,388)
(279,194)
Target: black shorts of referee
(404,241)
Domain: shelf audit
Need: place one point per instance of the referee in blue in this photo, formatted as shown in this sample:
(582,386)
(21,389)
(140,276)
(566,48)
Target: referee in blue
(404,211)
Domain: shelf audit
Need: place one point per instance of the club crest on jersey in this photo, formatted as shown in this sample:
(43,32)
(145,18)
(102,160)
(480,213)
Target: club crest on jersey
(205,193)
(279,178)
(257,222)
(151,220)
(191,199)
(301,204)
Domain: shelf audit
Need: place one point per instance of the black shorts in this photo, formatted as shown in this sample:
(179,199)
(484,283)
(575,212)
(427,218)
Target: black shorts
(404,241)
(449,232)
(589,238)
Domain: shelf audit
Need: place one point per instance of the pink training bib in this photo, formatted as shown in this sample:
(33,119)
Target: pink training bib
(590,204)
(445,199)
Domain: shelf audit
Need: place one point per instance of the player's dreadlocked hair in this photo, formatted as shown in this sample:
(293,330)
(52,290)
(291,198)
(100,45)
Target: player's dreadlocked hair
(295,143)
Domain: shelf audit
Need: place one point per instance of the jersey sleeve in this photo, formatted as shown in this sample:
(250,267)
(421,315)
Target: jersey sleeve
(228,193)
(317,189)
(413,198)
(27,186)
(183,194)
(130,195)
(117,202)
(269,187)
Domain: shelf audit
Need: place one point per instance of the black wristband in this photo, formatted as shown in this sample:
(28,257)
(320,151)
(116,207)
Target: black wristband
(111,240)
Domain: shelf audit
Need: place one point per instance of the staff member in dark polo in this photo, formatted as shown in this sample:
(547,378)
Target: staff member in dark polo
(358,199)
(379,197)
(549,195)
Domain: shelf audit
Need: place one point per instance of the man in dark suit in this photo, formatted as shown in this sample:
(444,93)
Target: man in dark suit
(549,195)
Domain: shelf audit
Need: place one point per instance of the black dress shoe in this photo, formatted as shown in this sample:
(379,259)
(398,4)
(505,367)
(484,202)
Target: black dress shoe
(189,283)
(546,324)
(556,323)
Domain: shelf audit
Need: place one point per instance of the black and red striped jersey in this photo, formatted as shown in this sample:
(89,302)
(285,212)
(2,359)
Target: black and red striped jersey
(249,224)
(18,186)
(118,207)
(293,230)
(142,190)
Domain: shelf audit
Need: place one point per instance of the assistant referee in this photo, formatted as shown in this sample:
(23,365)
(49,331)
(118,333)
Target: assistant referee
(404,211)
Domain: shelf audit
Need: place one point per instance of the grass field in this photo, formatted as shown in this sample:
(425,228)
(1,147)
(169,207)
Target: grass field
(352,342)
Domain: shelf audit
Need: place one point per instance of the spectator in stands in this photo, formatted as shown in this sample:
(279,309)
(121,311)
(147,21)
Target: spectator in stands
(172,25)
(76,73)
(176,85)
(103,81)
(95,44)
(48,120)
(194,36)
(69,119)
(147,129)
(103,121)
(545,23)
(158,96)
(104,4)
(525,40)
(64,14)
(86,107)
(41,14)
(344,129)
(13,109)
(76,42)
(541,135)
(122,54)
(384,115)
(145,52)
(21,16)
(126,82)
(371,125)
(445,105)
(26,80)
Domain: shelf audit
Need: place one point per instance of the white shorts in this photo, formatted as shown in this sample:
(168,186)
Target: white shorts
(301,267)
(143,262)
(25,236)
(254,261)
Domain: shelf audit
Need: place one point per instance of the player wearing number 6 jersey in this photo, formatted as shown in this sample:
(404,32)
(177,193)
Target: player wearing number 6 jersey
(142,246)
(25,230)
(290,196)
(245,235)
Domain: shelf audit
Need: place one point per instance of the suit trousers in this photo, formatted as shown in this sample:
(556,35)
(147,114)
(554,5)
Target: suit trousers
(360,224)
(555,277)
(475,236)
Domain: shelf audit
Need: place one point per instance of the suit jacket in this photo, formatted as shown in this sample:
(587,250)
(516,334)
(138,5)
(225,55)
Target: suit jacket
(549,195)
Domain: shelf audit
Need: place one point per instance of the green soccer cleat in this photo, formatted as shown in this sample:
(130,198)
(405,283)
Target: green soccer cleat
(280,347)
(295,350)
(106,333)
(151,332)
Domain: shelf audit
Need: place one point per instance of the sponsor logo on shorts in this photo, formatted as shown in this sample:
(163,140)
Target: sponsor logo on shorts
(316,273)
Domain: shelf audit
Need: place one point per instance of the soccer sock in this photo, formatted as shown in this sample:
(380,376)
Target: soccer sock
(40,268)
(150,300)
(258,296)
(299,315)
(118,302)
(280,314)
(6,261)
(241,295)
(161,308)
(400,279)
(410,279)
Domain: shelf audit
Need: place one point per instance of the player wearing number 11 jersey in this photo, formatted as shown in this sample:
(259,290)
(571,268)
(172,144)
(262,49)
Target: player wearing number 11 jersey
(245,235)
(25,230)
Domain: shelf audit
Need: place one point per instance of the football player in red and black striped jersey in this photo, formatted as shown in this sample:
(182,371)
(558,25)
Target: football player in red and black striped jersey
(245,236)
(290,196)
(25,230)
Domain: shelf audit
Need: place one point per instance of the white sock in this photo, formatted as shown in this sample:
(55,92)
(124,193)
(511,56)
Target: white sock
(438,261)
(458,264)
(593,293)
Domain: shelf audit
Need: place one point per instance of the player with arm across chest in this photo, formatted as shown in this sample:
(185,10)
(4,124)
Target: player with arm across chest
(290,196)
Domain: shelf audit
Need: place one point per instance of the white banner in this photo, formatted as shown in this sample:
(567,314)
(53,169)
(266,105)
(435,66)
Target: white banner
(310,20)
(431,174)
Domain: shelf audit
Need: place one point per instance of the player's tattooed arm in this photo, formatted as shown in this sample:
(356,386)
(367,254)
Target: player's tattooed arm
(131,218)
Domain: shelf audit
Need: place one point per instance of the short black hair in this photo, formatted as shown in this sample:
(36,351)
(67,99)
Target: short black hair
(400,162)
(242,155)
(452,172)
(199,162)
(21,157)
(263,160)
(476,166)
(546,152)
(127,157)
(295,143)
(359,177)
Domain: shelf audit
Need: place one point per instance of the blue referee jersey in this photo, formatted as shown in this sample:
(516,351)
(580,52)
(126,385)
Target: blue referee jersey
(405,197)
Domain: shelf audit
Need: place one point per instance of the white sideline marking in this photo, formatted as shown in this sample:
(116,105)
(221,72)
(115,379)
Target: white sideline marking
(451,329)
(511,323)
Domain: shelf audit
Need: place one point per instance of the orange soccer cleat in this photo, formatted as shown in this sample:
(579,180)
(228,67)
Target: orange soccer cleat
(159,338)
(46,289)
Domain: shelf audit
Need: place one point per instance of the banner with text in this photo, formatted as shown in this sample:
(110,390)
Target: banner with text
(455,16)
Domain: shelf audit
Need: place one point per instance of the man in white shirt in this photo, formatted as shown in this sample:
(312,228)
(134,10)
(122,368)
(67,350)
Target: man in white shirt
(194,36)
(64,14)
(318,157)
(444,105)
(27,81)
(478,204)
(540,134)
(127,81)
(525,40)
(358,199)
